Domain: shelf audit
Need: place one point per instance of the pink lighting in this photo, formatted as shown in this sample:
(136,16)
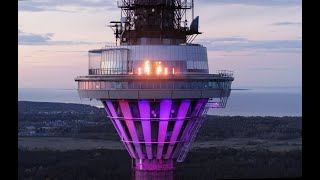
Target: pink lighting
(186,133)
(153,165)
(183,109)
(213,105)
(123,134)
(165,106)
(144,108)
(143,128)
(172,70)
(139,71)
(126,111)
(216,105)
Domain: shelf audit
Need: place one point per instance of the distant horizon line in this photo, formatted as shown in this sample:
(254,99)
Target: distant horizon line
(235,88)
(101,106)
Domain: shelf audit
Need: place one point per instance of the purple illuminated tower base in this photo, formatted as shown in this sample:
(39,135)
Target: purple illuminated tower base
(153,169)
(153,175)
(153,164)
(155,131)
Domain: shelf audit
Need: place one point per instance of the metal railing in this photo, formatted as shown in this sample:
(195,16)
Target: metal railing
(225,73)
(126,3)
(102,71)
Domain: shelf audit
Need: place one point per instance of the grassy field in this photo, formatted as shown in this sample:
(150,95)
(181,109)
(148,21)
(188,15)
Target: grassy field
(66,144)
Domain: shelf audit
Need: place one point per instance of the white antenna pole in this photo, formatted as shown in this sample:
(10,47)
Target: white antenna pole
(192,6)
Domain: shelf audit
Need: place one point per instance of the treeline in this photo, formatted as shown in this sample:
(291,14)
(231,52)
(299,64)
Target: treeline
(276,128)
(36,107)
(203,164)
(45,111)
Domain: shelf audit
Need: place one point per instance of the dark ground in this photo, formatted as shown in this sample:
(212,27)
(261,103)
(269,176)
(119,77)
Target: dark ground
(202,164)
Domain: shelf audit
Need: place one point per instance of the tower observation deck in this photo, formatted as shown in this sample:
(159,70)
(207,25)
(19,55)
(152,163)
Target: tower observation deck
(155,85)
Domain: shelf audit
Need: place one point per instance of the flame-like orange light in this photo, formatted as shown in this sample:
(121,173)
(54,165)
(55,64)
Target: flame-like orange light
(139,71)
(165,71)
(147,67)
(159,69)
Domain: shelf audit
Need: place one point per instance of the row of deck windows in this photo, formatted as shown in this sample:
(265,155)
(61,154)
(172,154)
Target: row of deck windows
(102,85)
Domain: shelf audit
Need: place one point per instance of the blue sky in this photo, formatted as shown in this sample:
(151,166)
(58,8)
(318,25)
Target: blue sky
(260,40)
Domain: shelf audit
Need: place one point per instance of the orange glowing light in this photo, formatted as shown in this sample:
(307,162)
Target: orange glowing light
(147,67)
(172,70)
(165,71)
(139,71)
(159,69)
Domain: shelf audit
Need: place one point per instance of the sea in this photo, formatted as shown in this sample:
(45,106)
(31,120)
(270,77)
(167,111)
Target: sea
(253,101)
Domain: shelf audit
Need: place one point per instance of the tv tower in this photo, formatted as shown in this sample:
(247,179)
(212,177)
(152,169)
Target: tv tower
(155,83)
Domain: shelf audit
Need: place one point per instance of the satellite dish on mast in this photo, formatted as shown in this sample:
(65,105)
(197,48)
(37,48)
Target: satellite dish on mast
(194,26)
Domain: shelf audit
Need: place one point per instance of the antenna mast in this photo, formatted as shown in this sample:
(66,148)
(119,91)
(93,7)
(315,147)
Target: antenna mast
(156,22)
(192,6)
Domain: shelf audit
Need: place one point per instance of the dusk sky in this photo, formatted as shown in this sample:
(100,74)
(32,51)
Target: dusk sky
(260,40)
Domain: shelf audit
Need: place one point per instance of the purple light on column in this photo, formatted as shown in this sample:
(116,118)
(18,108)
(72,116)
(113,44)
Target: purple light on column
(183,109)
(153,165)
(165,107)
(111,119)
(122,134)
(187,130)
(216,105)
(213,105)
(196,114)
(125,108)
(144,108)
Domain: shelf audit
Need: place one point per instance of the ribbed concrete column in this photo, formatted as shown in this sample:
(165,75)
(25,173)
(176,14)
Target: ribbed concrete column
(144,109)
(183,109)
(124,105)
(186,133)
(165,107)
(123,134)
